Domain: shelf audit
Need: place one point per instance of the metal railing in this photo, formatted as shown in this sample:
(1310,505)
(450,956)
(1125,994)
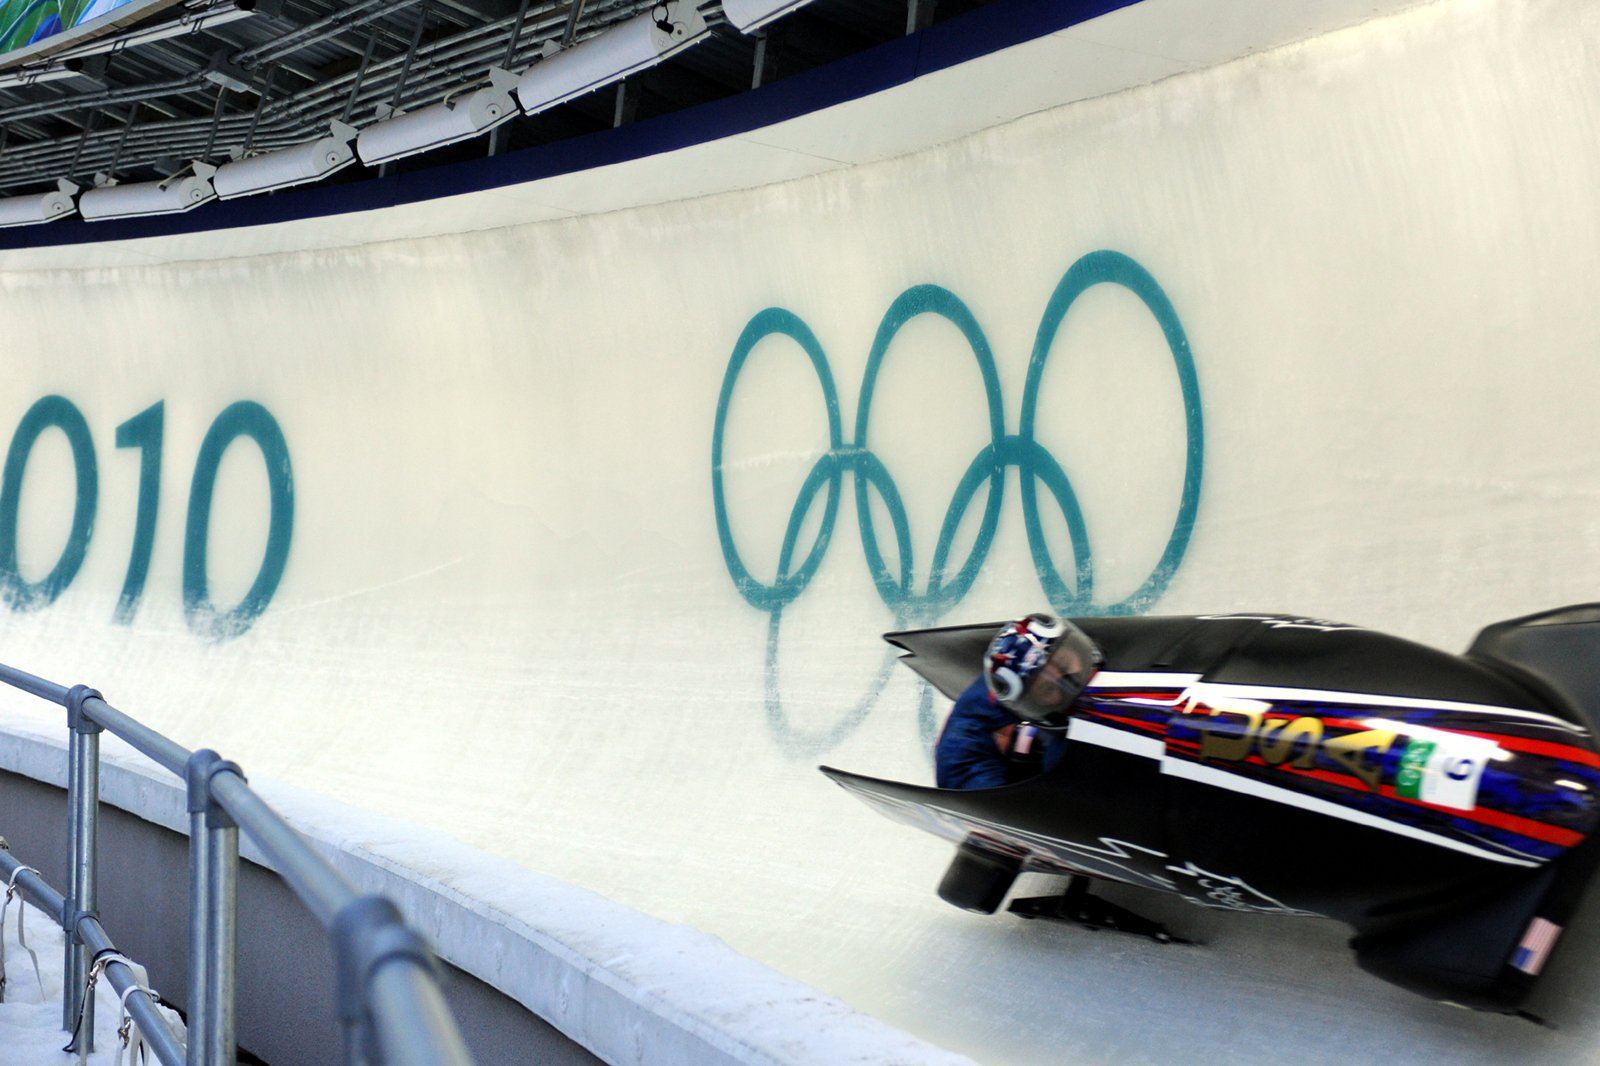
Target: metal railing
(141,1007)
(390,1007)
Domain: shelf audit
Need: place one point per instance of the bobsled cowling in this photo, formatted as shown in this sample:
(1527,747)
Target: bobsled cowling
(1442,805)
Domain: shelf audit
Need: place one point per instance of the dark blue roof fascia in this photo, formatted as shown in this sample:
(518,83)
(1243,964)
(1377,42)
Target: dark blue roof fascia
(988,29)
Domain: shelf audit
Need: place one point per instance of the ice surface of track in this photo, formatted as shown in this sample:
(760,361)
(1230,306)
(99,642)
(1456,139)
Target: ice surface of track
(574,538)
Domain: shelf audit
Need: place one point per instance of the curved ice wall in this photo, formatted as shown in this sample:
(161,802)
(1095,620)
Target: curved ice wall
(575,538)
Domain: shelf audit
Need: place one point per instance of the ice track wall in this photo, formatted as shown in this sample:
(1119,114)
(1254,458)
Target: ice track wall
(574,539)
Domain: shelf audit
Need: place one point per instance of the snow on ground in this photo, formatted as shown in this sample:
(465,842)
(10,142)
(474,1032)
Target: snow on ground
(30,1015)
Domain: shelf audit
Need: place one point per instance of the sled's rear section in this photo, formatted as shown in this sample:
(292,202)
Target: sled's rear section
(1555,653)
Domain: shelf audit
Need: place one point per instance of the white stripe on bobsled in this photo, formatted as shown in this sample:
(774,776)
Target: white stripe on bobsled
(1270,693)
(1104,736)
(1208,775)
(1151,748)
(1193,688)
(1141,679)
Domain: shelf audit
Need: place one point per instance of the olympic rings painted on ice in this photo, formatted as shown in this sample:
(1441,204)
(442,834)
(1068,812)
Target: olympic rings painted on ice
(987,470)
(1021,450)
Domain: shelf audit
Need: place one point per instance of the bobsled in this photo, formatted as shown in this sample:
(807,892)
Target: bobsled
(1443,806)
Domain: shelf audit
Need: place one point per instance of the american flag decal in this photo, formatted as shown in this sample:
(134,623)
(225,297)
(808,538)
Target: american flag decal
(1537,941)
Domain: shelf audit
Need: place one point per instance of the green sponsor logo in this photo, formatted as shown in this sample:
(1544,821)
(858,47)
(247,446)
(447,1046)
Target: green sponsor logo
(1408,779)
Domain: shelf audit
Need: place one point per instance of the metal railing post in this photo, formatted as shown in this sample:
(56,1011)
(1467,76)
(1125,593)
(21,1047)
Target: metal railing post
(213,915)
(221,975)
(83,806)
(199,955)
(73,957)
(390,1002)
(368,935)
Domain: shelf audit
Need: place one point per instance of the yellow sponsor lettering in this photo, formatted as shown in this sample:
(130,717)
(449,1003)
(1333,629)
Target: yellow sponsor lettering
(1234,739)
(1352,750)
(1279,745)
(1235,733)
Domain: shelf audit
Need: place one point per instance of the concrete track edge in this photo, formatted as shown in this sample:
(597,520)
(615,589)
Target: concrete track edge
(622,985)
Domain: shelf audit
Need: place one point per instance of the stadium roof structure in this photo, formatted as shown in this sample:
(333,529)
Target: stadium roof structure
(205,83)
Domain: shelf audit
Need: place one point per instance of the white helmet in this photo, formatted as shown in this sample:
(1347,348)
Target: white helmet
(1036,666)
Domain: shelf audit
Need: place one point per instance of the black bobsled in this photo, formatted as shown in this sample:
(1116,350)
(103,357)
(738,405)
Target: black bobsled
(1442,805)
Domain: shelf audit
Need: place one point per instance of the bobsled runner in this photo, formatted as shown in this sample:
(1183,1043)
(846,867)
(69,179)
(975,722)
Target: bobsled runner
(1444,806)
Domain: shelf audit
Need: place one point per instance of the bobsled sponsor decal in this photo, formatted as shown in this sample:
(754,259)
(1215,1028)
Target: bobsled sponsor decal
(1105,736)
(1444,770)
(1474,781)
(1315,805)
(1435,767)
(1236,732)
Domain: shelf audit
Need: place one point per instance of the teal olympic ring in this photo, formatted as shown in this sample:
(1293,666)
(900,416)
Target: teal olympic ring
(986,471)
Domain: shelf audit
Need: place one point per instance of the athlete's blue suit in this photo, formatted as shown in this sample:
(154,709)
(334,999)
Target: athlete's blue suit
(966,755)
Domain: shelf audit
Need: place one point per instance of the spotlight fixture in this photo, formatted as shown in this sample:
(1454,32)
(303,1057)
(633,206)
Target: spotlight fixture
(295,165)
(410,132)
(33,209)
(175,194)
(612,55)
(747,16)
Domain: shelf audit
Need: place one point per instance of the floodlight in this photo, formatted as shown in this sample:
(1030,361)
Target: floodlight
(31,210)
(747,16)
(607,57)
(175,194)
(410,132)
(294,165)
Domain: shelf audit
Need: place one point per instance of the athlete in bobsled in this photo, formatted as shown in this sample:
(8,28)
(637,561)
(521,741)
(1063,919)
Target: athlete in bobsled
(1000,730)
(1443,805)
